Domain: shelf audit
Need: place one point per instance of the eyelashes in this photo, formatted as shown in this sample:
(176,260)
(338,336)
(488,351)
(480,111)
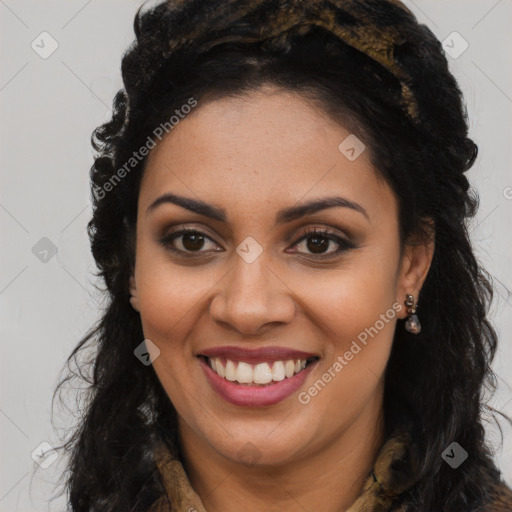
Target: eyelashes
(192,233)
(329,236)
(192,237)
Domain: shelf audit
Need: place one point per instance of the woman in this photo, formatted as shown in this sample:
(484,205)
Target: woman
(295,319)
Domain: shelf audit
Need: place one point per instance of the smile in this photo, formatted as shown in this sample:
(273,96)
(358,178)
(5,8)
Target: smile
(262,374)
(256,377)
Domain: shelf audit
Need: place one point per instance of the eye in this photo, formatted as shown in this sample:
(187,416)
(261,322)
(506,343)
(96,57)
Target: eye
(318,240)
(192,241)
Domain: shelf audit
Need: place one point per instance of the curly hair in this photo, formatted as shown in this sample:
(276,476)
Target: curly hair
(208,49)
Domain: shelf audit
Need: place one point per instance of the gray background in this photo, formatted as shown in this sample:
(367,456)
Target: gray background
(48,109)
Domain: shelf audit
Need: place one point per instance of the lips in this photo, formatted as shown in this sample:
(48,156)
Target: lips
(229,371)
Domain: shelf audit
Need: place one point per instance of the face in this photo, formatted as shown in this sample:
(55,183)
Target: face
(260,280)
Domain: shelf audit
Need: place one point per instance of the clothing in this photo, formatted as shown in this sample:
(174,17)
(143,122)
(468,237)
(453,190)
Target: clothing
(392,474)
(366,28)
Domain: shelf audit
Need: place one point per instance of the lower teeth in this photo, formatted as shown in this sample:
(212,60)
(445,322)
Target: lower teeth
(271,383)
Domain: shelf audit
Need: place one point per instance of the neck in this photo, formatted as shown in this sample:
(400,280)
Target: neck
(337,471)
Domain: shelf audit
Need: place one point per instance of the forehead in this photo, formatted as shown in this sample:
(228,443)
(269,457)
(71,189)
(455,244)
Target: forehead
(263,150)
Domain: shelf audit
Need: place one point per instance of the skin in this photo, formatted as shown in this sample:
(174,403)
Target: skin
(252,156)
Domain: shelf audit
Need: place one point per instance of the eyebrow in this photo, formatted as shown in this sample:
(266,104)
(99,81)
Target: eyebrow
(285,215)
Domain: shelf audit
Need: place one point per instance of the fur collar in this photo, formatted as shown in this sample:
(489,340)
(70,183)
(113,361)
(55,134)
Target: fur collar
(392,474)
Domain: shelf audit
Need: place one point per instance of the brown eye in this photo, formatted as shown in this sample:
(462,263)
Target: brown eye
(317,244)
(317,241)
(192,241)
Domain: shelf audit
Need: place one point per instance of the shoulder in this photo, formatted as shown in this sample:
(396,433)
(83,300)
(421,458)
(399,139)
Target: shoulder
(501,499)
(161,505)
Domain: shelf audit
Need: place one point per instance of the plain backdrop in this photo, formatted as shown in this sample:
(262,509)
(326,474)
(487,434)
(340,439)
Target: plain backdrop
(48,110)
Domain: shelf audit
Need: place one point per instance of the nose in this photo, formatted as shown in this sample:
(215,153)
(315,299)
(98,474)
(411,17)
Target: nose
(252,297)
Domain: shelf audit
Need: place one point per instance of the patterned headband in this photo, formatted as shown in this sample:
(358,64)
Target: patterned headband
(358,23)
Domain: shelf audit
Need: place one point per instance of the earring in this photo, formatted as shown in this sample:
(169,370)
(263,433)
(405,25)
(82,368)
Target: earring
(413,324)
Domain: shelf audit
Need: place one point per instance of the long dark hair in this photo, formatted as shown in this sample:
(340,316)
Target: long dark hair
(215,48)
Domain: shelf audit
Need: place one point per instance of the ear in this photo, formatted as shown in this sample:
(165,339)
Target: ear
(134,299)
(415,264)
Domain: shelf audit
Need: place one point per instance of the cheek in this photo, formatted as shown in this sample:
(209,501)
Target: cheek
(354,310)
(353,306)
(353,297)
(168,297)
(167,293)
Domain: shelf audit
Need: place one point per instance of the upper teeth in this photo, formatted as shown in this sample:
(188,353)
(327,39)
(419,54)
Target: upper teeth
(261,373)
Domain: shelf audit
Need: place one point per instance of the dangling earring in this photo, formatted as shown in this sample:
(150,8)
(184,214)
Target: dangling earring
(412,324)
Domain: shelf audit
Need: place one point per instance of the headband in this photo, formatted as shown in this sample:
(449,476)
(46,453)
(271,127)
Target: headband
(356,22)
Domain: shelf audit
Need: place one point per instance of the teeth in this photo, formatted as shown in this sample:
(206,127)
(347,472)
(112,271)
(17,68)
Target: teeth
(278,371)
(289,368)
(262,373)
(244,373)
(219,368)
(230,371)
